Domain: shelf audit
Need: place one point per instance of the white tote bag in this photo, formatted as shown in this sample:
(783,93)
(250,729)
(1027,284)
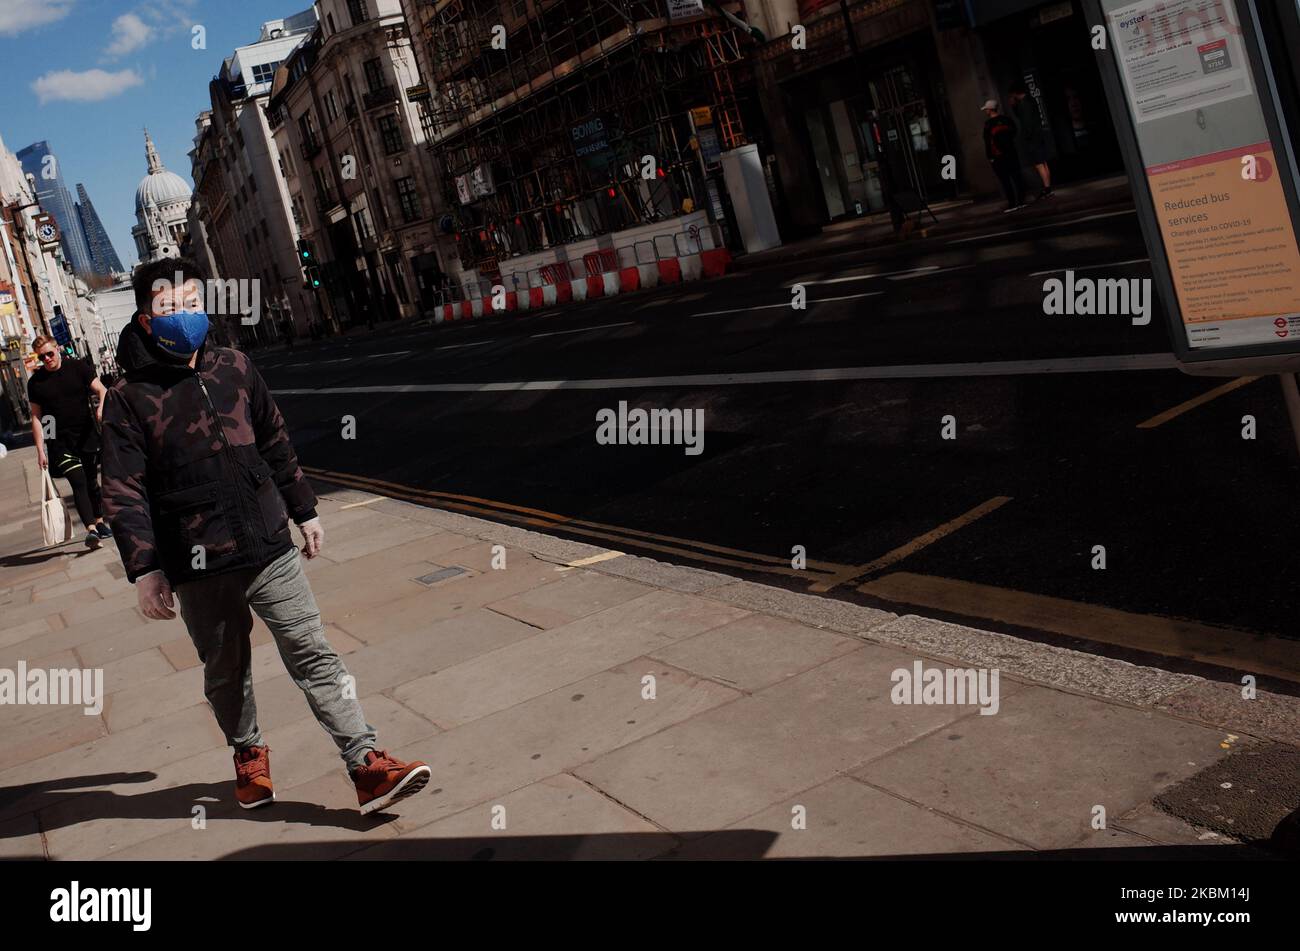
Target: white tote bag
(54,514)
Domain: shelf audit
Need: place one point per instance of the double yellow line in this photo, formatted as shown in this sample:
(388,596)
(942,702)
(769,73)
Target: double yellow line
(817,572)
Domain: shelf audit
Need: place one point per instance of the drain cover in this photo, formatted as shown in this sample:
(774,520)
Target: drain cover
(440,575)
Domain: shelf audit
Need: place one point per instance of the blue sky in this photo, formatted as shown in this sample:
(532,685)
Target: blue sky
(88,75)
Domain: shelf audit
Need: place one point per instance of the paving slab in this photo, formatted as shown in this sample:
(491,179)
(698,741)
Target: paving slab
(552,733)
(558,818)
(28,785)
(756,651)
(991,769)
(572,595)
(848,819)
(529,668)
(406,657)
(447,599)
(735,761)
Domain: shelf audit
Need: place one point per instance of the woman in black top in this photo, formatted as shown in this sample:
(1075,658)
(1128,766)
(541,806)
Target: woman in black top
(60,390)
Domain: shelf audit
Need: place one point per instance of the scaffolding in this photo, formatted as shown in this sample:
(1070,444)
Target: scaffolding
(541,114)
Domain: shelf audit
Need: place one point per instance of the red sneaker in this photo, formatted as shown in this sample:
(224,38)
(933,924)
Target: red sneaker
(253,777)
(384,779)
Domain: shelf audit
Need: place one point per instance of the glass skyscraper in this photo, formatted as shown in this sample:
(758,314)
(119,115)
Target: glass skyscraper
(38,161)
(103,257)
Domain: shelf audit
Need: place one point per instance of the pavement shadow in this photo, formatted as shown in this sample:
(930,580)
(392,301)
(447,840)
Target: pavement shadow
(722,845)
(37,556)
(53,792)
(170,803)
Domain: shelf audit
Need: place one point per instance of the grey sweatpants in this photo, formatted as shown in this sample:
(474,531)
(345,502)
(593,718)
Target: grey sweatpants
(217,614)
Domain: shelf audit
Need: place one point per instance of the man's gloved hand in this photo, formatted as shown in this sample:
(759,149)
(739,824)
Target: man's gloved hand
(313,536)
(155,596)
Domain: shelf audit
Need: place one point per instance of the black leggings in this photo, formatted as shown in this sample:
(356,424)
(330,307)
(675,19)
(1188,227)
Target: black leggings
(81,469)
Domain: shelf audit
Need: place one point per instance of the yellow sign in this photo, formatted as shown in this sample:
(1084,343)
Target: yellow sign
(1231,246)
(702,116)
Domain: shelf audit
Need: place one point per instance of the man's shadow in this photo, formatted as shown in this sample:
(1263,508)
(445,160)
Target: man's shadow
(63,802)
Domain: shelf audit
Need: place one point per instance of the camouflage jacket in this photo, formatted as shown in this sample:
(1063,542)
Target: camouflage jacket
(200,477)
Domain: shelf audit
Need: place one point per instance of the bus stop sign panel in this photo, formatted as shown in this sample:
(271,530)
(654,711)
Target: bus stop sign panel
(1214,178)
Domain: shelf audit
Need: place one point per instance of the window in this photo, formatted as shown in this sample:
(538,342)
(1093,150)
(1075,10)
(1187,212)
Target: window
(408,198)
(352,93)
(322,187)
(331,106)
(391,130)
(374,75)
(379,207)
(329,18)
(252,185)
(265,72)
(266,232)
(307,128)
(364,231)
(358,12)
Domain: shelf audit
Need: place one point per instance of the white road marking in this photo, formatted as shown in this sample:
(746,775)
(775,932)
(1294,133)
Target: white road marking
(944,270)
(1136,361)
(1056,224)
(579,330)
(457,346)
(820,300)
(1090,267)
(866,277)
(395,353)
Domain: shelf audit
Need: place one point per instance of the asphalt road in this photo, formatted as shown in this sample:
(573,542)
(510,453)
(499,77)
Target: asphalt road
(997,524)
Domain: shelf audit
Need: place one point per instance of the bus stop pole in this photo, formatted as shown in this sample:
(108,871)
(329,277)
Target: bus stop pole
(1292,395)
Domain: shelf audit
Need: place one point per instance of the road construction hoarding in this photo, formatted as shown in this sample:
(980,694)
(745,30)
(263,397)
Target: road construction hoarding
(1195,85)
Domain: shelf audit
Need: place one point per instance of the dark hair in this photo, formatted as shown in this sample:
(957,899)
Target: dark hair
(1019,89)
(164,269)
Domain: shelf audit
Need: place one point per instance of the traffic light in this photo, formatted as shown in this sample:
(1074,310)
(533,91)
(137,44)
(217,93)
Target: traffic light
(313,277)
(305,252)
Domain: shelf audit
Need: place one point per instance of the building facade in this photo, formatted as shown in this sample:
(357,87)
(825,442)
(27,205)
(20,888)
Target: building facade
(242,225)
(362,189)
(567,131)
(841,130)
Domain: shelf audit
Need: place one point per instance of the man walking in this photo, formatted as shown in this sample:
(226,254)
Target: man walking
(60,392)
(200,482)
(1031,138)
(1000,148)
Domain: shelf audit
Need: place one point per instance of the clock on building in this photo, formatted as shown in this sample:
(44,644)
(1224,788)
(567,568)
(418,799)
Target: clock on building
(47,232)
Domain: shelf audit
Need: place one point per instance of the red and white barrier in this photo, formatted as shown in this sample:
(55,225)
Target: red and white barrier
(713,262)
